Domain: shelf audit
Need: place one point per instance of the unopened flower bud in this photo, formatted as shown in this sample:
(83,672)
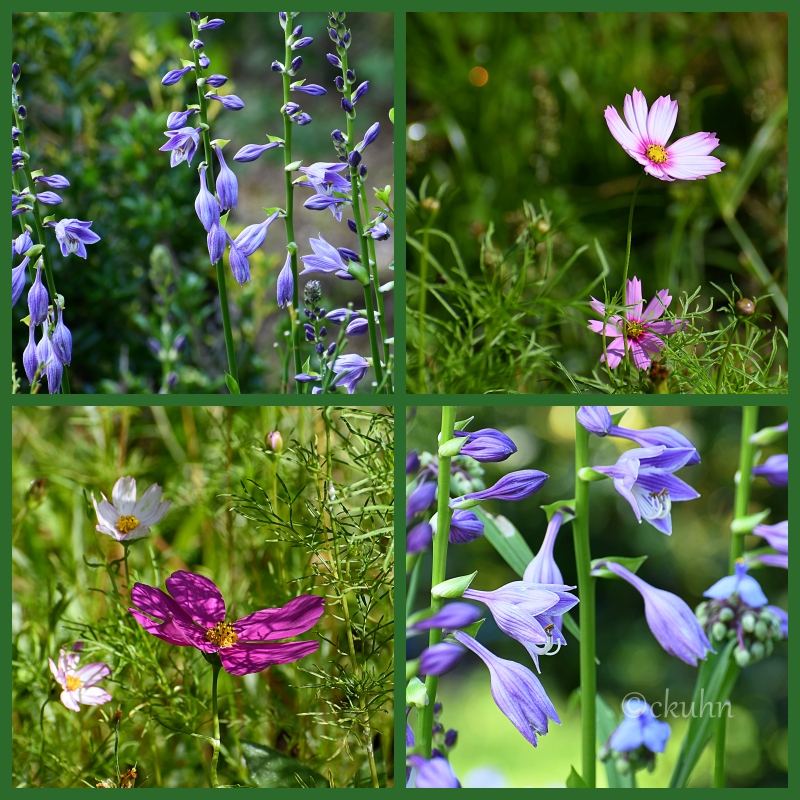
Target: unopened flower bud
(15,72)
(746,307)
(718,630)
(726,614)
(354,159)
(22,112)
(296,63)
(274,441)
(339,81)
(351,76)
(748,622)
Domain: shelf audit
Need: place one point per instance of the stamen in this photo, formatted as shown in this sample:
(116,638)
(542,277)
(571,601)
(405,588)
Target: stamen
(126,523)
(222,635)
(636,330)
(73,683)
(660,505)
(656,153)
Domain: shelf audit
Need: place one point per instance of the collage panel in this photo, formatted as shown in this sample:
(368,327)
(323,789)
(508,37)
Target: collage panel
(203,204)
(202,597)
(607,586)
(598,202)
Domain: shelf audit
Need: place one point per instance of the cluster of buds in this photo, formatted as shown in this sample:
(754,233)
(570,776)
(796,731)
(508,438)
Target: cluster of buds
(296,41)
(314,328)
(629,761)
(444,739)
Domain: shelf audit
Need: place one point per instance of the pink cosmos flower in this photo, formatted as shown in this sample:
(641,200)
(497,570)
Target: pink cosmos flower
(641,327)
(645,139)
(195,617)
(126,519)
(79,684)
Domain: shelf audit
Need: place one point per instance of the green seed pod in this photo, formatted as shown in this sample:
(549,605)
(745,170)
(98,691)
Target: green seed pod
(719,630)
(742,657)
(768,647)
(757,651)
(749,622)
(726,614)
(622,765)
(762,630)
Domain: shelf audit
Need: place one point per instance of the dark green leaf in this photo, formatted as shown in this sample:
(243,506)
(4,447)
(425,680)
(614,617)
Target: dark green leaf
(270,769)
(631,564)
(606,725)
(507,541)
(233,387)
(574,781)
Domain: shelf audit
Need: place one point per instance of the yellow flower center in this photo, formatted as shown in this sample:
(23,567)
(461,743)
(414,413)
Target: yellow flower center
(73,683)
(127,523)
(222,635)
(635,330)
(656,153)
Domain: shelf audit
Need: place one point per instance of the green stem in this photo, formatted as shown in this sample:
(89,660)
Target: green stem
(623,291)
(423,297)
(215,712)
(413,582)
(223,292)
(583,565)
(721,371)
(719,753)
(438,574)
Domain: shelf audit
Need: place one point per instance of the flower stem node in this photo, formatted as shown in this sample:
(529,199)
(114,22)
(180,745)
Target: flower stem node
(745,525)
(452,447)
(589,475)
(454,587)
(416,695)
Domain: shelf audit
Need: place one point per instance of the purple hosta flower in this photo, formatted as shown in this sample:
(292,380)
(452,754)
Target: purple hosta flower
(73,235)
(349,255)
(17,160)
(126,519)
(177,119)
(291,108)
(741,584)
(53,368)
(450,617)
(30,360)
(369,137)
(308,88)
(778,538)
(326,258)
(38,298)
(240,266)
(62,339)
(434,773)
(350,369)
(775,469)
(641,327)
(216,81)
(524,612)
(360,92)
(643,476)
(419,538)
(250,152)
(196,44)
(354,159)
(597,420)
(49,198)
(637,739)
(514,486)
(206,204)
(16,205)
(516,691)
(347,106)
(544,570)
(253,236)
(21,244)
(227,185)
(229,101)
(174,75)
(304,42)
(420,499)
(412,462)
(301,118)
(211,25)
(295,65)
(334,61)
(319,202)
(182,145)
(486,445)
(54,181)
(217,239)
(286,283)
(79,683)
(325,177)
(18,277)
(304,377)
(379,231)
(465,527)
(340,315)
(358,327)
(645,139)
(672,622)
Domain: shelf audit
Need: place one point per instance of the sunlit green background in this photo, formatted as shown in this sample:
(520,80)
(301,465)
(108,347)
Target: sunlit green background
(686,563)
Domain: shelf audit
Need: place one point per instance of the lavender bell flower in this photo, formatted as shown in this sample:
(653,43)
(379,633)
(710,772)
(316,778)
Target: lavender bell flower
(182,145)
(206,204)
(73,235)
(440,658)
(420,499)
(49,198)
(253,236)
(286,283)
(350,369)
(174,75)
(418,539)
(21,244)
(639,728)
(240,266)
(229,101)
(18,277)
(358,327)
(54,181)
(217,239)
(30,361)
(227,185)
(746,586)
(516,691)
(544,570)
(53,368)
(465,527)
(672,622)
(775,469)
(434,773)
(62,339)
(379,231)
(250,152)
(486,445)
(369,137)
(514,486)
(450,617)
(38,298)
(178,119)
(326,258)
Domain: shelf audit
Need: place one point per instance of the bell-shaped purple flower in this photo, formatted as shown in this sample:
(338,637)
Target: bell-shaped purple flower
(21,244)
(227,185)
(776,535)
(360,92)
(379,231)
(178,119)
(512,487)
(18,277)
(286,283)
(229,101)
(672,622)
(516,691)
(30,360)
(450,617)
(775,469)
(38,298)
(465,527)
(206,204)
(440,658)
(419,538)
(486,445)
(174,75)
(350,369)
(217,239)
(250,152)
(420,499)
(639,728)
(73,235)
(181,145)
(740,583)
(53,368)
(53,181)
(240,266)
(49,198)
(434,773)
(62,339)
(253,236)
(211,25)
(326,258)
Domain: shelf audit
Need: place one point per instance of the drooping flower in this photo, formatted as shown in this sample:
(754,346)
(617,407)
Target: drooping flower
(227,184)
(643,476)
(326,258)
(486,445)
(217,239)
(433,773)
(206,204)
(639,728)
(646,135)
(465,527)
(350,369)
(240,266)
(250,152)
(62,339)
(379,231)
(53,368)
(775,469)
(79,683)
(194,616)
(253,236)
(30,360)
(38,298)
(450,617)
(182,145)
(73,235)
(671,621)
(178,119)
(642,328)
(516,691)
(286,283)
(421,498)
(418,539)
(514,486)
(741,584)
(440,658)
(18,278)
(126,519)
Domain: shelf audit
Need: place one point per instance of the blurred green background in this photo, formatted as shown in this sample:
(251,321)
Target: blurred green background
(686,563)
(97,113)
(534,130)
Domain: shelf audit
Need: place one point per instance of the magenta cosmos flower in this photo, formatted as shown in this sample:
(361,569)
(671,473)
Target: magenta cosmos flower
(195,617)
(643,328)
(645,139)
(126,518)
(79,683)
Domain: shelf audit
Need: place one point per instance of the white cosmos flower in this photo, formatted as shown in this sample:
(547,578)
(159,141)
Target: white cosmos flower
(126,518)
(79,683)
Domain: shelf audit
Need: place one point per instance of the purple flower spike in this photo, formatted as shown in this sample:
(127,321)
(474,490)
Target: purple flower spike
(230,101)
(777,535)
(182,145)
(672,622)
(54,181)
(62,339)
(309,88)
(350,369)
(211,25)
(450,617)
(49,198)
(216,243)
(18,278)
(178,119)
(253,236)
(419,538)
(206,204)
(516,691)
(38,298)
(435,773)
(639,728)
(326,258)
(420,499)
(746,586)
(514,486)
(240,266)
(465,527)
(440,658)
(215,81)
(227,185)
(286,283)
(775,469)
(360,92)
(486,445)
(250,152)
(174,75)
(30,361)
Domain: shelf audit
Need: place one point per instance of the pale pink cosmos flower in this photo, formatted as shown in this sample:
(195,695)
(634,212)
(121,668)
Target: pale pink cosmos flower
(642,327)
(126,518)
(645,139)
(79,683)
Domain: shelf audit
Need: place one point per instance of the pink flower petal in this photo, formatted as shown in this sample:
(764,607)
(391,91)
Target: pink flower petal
(620,131)
(640,358)
(666,327)
(635,109)
(615,351)
(657,171)
(92,673)
(124,495)
(690,168)
(198,596)
(650,343)
(661,120)
(167,630)
(150,510)
(245,659)
(69,699)
(93,696)
(598,307)
(297,616)
(698,144)
(633,299)
(157,603)
(657,306)
(596,326)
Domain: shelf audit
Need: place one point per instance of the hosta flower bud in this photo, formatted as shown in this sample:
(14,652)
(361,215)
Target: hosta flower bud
(227,184)
(296,63)
(216,243)
(174,75)
(62,339)
(206,204)
(334,60)
(360,92)
(350,76)
(216,81)
(286,283)
(38,299)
